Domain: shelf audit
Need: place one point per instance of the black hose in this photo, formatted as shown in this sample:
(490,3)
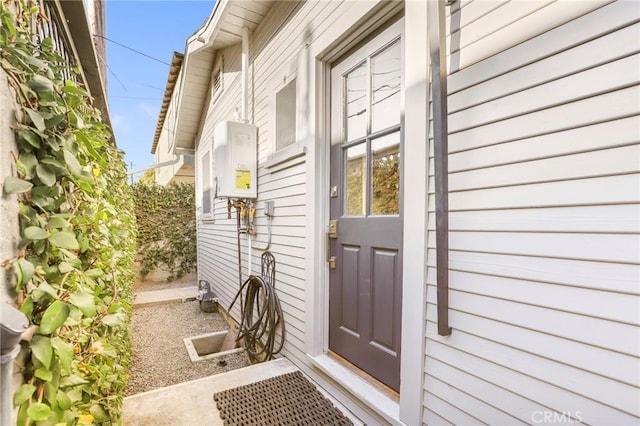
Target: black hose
(258,331)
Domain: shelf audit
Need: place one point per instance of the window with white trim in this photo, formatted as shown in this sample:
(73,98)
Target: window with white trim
(285,131)
(206,186)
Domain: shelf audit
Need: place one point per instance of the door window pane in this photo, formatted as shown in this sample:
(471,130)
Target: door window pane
(356,98)
(385,166)
(385,88)
(356,180)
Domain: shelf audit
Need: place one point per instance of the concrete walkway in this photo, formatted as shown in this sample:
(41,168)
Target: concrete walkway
(155,297)
(191,403)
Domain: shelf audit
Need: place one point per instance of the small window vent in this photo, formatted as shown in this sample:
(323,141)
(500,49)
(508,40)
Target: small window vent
(217,79)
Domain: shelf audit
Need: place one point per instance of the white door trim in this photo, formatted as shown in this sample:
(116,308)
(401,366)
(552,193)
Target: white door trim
(416,195)
(416,125)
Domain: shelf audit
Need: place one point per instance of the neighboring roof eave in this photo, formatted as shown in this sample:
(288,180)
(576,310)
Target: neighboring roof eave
(76,16)
(174,72)
(198,61)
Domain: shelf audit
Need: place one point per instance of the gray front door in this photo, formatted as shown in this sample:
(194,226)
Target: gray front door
(366,192)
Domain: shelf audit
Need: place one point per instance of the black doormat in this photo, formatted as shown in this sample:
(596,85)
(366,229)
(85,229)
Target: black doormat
(289,399)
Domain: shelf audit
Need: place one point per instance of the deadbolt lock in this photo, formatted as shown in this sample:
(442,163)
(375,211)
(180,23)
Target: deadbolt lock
(332,262)
(333,228)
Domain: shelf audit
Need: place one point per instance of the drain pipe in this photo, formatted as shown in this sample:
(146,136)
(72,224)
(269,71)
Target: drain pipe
(12,323)
(244,113)
(157,166)
(244,117)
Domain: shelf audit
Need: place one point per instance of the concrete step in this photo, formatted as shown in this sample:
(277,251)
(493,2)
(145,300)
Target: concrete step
(191,403)
(169,295)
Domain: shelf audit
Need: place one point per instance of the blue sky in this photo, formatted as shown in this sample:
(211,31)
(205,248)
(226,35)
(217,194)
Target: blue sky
(136,83)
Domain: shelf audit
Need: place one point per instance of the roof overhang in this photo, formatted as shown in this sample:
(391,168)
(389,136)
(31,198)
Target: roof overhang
(82,37)
(222,29)
(174,71)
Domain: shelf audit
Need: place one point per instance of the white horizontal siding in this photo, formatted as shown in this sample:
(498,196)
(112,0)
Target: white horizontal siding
(274,49)
(572,141)
(555,41)
(544,241)
(514,23)
(621,218)
(618,277)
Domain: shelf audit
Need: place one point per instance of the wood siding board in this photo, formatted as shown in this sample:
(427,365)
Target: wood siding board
(460,18)
(528,27)
(545,247)
(240,20)
(483,389)
(287,42)
(531,388)
(616,133)
(622,368)
(261,7)
(575,32)
(605,78)
(620,278)
(274,181)
(431,418)
(238,10)
(573,388)
(599,304)
(587,330)
(610,219)
(457,6)
(453,413)
(594,53)
(606,107)
(482,411)
(613,248)
(506,14)
(621,189)
(608,162)
(270,25)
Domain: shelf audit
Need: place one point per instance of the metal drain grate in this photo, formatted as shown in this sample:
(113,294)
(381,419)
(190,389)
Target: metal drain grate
(289,399)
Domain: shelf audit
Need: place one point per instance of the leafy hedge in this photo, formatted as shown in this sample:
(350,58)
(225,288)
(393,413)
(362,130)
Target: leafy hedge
(166,228)
(74,271)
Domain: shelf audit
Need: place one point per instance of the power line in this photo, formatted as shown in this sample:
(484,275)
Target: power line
(118,79)
(133,50)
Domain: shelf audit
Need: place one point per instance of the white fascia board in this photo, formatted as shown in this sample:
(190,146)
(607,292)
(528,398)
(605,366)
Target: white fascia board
(202,38)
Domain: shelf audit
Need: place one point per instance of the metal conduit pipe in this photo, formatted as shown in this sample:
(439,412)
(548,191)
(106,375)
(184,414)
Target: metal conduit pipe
(437,47)
(244,117)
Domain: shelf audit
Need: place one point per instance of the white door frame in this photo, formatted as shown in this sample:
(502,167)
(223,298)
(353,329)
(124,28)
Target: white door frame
(416,130)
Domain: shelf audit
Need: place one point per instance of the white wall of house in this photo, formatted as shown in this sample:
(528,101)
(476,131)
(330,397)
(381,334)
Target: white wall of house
(544,217)
(285,47)
(9,207)
(183,170)
(544,200)
(10,236)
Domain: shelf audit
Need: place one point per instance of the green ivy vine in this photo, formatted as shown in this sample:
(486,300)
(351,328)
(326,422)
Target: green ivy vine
(166,228)
(74,271)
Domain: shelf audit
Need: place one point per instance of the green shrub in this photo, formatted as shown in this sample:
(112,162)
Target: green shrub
(74,271)
(166,228)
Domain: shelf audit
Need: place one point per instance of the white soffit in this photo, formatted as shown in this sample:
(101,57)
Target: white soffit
(222,29)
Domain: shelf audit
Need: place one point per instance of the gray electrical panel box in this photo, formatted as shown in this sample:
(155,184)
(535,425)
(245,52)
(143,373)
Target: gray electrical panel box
(235,154)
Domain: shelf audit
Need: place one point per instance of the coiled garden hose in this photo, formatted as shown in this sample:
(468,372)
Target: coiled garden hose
(261,314)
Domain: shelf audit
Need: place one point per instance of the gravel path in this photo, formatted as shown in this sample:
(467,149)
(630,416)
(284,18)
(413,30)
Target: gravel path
(160,358)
